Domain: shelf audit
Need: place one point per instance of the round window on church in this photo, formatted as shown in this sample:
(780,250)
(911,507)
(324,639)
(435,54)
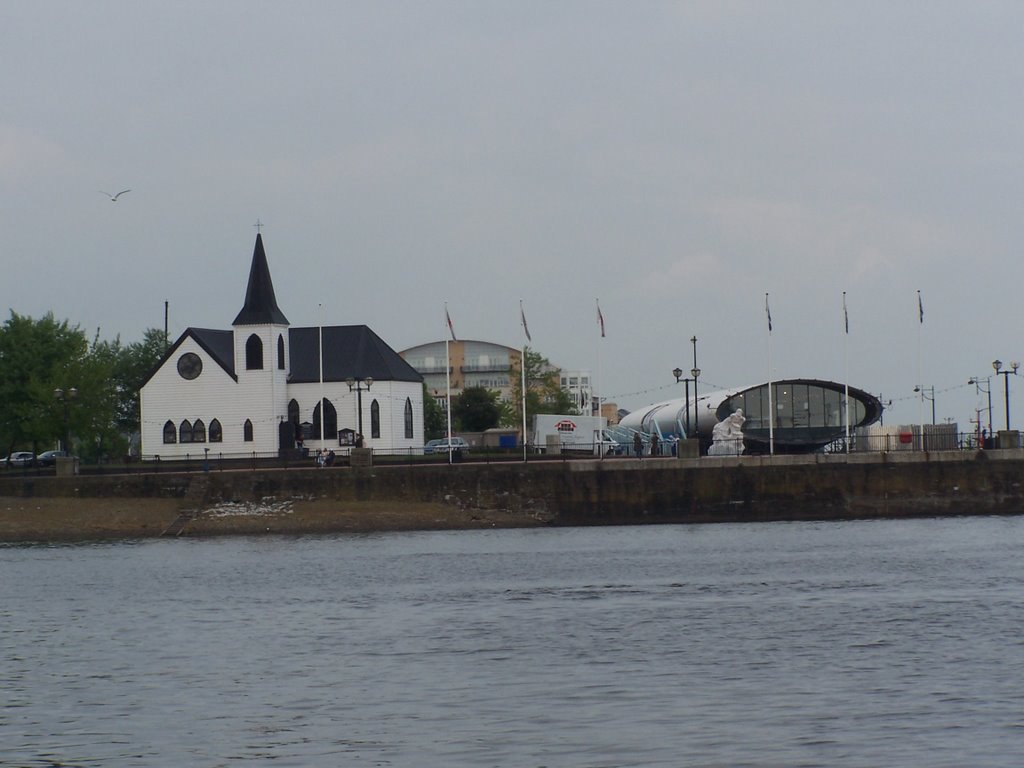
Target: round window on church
(189,365)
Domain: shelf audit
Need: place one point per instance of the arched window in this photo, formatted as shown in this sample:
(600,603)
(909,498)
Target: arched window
(408,419)
(330,420)
(374,419)
(199,432)
(293,411)
(280,352)
(170,433)
(254,353)
(185,432)
(247,431)
(216,433)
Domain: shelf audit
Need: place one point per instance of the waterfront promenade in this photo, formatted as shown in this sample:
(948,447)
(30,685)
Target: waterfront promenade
(513,494)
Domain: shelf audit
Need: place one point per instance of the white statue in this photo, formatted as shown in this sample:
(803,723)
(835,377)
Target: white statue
(727,435)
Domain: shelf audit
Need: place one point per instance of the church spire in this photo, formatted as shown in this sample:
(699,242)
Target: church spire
(260,303)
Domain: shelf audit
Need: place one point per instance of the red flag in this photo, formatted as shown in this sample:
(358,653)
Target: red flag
(449,319)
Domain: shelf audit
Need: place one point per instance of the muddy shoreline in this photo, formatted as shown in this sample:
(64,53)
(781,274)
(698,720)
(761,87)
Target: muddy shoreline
(90,519)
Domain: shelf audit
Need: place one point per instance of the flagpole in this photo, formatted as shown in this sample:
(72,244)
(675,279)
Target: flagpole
(448,380)
(846,366)
(771,406)
(320,354)
(522,367)
(597,380)
(920,383)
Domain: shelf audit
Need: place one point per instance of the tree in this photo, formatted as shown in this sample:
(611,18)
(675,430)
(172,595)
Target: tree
(36,358)
(434,422)
(476,409)
(134,364)
(544,393)
(98,406)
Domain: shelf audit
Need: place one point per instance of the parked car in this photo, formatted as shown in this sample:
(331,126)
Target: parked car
(19,459)
(49,458)
(442,445)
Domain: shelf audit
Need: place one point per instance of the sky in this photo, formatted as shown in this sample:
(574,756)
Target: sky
(676,161)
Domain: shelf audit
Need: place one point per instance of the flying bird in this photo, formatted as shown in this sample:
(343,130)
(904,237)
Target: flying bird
(113,198)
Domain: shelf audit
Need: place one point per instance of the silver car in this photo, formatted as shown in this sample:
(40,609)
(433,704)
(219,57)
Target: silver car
(19,459)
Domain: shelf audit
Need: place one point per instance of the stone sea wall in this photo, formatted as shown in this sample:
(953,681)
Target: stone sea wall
(611,492)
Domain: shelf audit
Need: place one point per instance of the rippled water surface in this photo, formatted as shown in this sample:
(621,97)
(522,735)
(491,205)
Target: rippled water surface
(792,644)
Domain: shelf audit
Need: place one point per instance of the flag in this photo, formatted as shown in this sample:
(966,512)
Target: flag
(768,312)
(448,317)
(920,309)
(522,316)
(600,318)
(846,316)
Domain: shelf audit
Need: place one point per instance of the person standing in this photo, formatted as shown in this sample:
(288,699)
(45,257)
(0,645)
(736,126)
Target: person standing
(638,445)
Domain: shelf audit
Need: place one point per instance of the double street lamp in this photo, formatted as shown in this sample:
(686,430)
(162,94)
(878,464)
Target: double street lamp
(694,374)
(65,397)
(357,385)
(998,365)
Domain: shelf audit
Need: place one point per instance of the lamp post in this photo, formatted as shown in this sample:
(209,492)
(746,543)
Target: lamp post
(988,391)
(885,404)
(357,385)
(65,397)
(998,365)
(695,372)
(928,393)
(678,373)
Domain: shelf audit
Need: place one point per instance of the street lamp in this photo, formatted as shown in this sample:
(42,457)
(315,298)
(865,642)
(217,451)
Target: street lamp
(65,397)
(885,404)
(923,391)
(988,391)
(695,372)
(998,365)
(357,385)
(678,373)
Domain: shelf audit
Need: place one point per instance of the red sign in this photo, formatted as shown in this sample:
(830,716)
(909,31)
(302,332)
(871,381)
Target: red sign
(565,425)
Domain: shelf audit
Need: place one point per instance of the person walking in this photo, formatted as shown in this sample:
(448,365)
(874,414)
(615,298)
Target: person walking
(654,444)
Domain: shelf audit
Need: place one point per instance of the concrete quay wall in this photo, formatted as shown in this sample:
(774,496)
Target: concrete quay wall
(616,491)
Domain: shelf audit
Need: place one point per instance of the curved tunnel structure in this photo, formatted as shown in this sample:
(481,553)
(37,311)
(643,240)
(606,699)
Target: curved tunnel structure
(808,414)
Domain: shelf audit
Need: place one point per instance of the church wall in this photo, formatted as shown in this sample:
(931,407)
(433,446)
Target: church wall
(214,394)
(391,396)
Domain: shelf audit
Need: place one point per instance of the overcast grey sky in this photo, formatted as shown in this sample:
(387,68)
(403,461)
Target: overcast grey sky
(675,160)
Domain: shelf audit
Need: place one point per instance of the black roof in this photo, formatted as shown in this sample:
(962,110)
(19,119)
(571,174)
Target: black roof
(220,345)
(350,351)
(260,302)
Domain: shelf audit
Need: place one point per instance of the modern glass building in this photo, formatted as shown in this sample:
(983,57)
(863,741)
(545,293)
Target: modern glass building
(808,414)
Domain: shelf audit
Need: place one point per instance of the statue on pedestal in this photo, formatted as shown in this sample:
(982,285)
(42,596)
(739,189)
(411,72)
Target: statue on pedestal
(727,435)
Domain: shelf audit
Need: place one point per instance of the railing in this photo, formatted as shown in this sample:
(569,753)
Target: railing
(222,461)
(485,368)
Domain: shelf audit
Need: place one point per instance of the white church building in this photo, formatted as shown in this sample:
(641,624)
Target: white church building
(255,389)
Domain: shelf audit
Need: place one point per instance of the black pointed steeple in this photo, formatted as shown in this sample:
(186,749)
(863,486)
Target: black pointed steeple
(260,303)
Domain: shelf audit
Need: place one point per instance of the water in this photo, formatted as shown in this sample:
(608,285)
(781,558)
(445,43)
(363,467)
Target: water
(895,643)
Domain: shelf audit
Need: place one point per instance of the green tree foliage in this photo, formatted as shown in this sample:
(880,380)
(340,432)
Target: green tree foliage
(544,393)
(134,364)
(99,383)
(36,358)
(476,409)
(434,422)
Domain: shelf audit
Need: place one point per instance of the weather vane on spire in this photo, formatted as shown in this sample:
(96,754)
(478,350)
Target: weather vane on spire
(259,226)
